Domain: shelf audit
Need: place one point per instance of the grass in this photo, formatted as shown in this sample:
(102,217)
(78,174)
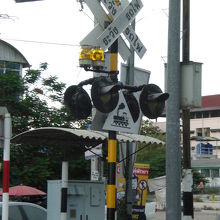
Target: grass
(208,208)
(197,199)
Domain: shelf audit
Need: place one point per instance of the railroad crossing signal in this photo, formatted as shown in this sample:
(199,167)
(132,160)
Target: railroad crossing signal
(105,97)
(105,94)
(123,16)
(152,101)
(129,33)
(77,102)
(119,24)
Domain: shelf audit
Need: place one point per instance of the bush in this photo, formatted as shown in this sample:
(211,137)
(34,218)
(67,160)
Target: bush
(213,190)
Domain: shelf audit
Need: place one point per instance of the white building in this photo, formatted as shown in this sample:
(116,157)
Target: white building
(11,59)
(205,138)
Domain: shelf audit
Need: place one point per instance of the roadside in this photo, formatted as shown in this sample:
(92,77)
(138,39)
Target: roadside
(205,207)
(198,215)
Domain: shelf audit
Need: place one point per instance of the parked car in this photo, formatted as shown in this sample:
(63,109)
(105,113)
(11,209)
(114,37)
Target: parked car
(25,211)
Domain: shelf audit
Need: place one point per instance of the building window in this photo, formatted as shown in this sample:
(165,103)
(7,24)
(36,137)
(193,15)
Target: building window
(205,172)
(214,173)
(215,113)
(9,67)
(199,132)
(203,132)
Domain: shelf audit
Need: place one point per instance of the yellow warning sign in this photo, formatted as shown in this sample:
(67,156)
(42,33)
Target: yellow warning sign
(139,187)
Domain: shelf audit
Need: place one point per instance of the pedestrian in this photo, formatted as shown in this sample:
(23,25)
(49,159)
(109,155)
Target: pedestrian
(201,185)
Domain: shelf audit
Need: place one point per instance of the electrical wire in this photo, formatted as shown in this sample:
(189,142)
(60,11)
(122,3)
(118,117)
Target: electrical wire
(42,42)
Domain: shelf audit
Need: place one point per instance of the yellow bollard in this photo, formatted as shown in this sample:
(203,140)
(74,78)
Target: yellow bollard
(213,198)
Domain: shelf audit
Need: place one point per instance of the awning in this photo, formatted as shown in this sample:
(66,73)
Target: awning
(54,136)
(199,138)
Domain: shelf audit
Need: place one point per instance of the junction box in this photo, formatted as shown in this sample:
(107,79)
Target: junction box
(85,200)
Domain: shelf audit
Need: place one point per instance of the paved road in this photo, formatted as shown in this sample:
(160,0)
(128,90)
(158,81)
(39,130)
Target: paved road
(198,215)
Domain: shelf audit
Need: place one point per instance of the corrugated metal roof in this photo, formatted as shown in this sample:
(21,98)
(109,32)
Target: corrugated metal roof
(68,137)
(199,138)
(12,54)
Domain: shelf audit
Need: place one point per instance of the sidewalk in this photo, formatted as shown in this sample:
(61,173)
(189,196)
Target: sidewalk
(207,206)
(198,215)
(202,211)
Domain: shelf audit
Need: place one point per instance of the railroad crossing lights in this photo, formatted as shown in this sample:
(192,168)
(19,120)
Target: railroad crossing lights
(122,17)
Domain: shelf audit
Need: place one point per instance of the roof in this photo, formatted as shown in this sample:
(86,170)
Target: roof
(54,136)
(211,101)
(11,54)
(199,138)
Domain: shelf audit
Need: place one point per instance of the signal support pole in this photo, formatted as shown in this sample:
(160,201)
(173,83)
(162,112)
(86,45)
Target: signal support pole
(112,143)
(129,146)
(173,162)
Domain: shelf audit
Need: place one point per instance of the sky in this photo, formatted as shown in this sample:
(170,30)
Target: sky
(61,25)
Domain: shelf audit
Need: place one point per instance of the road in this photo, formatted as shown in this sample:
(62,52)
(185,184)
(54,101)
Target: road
(198,215)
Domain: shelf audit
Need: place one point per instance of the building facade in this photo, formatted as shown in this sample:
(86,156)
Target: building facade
(11,59)
(205,138)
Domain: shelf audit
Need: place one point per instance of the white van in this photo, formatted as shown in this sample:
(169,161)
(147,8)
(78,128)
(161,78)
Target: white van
(25,211)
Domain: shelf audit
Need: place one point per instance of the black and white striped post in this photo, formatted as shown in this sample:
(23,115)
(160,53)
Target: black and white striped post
(64,186)
(187,194)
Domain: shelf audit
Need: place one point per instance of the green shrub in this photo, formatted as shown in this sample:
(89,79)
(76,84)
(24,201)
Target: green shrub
(215,191)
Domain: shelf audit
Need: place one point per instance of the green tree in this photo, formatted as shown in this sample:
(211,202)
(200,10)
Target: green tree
(152,154)
(197,178)
(155,155)
(35,100)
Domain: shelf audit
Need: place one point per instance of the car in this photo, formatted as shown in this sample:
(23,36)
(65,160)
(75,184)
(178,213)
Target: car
(25,211)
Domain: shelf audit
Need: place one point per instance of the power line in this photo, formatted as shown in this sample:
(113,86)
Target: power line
(42,42)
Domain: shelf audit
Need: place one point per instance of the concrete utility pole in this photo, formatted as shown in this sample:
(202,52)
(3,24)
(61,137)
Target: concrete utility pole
(129,147)
(187,171)
(173,165)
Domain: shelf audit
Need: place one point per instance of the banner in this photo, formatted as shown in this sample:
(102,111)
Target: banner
(139,188)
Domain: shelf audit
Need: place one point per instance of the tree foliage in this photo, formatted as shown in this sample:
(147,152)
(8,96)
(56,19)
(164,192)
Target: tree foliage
(152,154)
(155,155)
(35,100)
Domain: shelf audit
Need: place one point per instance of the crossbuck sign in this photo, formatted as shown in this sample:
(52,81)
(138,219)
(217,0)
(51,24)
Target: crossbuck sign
(119,24)
(122,17)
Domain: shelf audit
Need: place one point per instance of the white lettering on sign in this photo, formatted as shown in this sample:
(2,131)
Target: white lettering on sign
(112,32)
(129,32)
(141,171)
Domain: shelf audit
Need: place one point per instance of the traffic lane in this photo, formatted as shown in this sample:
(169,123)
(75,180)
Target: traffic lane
(198,215)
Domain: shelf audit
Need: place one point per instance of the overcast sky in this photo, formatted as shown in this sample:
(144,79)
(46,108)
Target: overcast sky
(62,22)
